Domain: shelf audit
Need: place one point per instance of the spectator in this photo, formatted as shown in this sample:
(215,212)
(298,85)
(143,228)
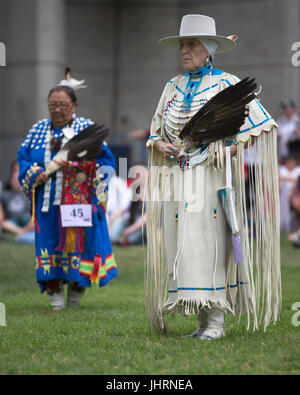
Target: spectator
(142,136)
(135,230)
(294,143)
(15,214)
(295,206)
(117,214)
(287,124)
(288,176)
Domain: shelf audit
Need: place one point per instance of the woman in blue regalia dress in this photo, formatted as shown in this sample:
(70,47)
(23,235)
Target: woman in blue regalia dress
(55,266)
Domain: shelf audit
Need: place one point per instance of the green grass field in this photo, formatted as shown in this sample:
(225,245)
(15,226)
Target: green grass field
(108,333)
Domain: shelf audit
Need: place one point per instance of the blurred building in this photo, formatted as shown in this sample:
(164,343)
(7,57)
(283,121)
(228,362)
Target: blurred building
(113,45)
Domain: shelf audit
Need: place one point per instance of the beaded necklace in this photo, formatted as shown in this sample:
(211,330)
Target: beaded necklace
(194,81)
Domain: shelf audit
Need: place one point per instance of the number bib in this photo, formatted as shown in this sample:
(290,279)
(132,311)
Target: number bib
(76,215)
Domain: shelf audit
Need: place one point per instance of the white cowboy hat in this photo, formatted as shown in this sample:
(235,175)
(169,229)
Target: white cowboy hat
(199,26)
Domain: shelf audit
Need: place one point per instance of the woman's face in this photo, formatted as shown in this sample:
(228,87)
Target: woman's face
(61,108)
(192,53)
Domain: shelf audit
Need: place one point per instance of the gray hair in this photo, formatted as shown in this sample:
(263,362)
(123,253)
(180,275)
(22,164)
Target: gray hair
(210,45)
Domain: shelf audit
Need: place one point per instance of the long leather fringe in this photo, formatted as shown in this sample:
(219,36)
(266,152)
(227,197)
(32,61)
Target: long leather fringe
(261,235)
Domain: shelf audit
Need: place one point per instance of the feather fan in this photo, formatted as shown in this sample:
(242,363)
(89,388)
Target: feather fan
(86,145)
(222,116)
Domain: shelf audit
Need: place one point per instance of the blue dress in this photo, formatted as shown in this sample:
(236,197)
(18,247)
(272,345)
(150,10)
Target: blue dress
(97,261)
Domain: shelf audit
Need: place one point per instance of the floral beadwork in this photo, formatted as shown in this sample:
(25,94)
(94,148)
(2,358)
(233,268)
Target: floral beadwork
(78,182)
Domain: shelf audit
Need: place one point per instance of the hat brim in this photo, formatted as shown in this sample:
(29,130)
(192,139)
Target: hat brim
(224,44)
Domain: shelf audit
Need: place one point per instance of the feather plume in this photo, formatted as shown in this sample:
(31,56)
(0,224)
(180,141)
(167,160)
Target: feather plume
(220,117)
(68,73)
(233,37)
(72,82)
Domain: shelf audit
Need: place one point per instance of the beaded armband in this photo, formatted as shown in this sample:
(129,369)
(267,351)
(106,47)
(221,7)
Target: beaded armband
(30,177)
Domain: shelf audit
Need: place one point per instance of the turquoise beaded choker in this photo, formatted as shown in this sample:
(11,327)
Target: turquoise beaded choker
(198,73)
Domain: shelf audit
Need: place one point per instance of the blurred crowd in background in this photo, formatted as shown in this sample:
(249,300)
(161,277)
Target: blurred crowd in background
(126,213)
(289,170)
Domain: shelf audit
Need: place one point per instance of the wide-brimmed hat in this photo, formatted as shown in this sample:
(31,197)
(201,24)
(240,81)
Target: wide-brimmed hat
(199,26)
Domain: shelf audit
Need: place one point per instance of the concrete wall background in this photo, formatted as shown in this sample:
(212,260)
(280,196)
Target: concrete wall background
(114,46)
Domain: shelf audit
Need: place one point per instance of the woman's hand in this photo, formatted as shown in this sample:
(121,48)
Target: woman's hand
(168,150)
(41,178)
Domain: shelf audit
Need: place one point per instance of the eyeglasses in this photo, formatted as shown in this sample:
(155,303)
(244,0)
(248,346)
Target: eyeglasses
(62,106)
